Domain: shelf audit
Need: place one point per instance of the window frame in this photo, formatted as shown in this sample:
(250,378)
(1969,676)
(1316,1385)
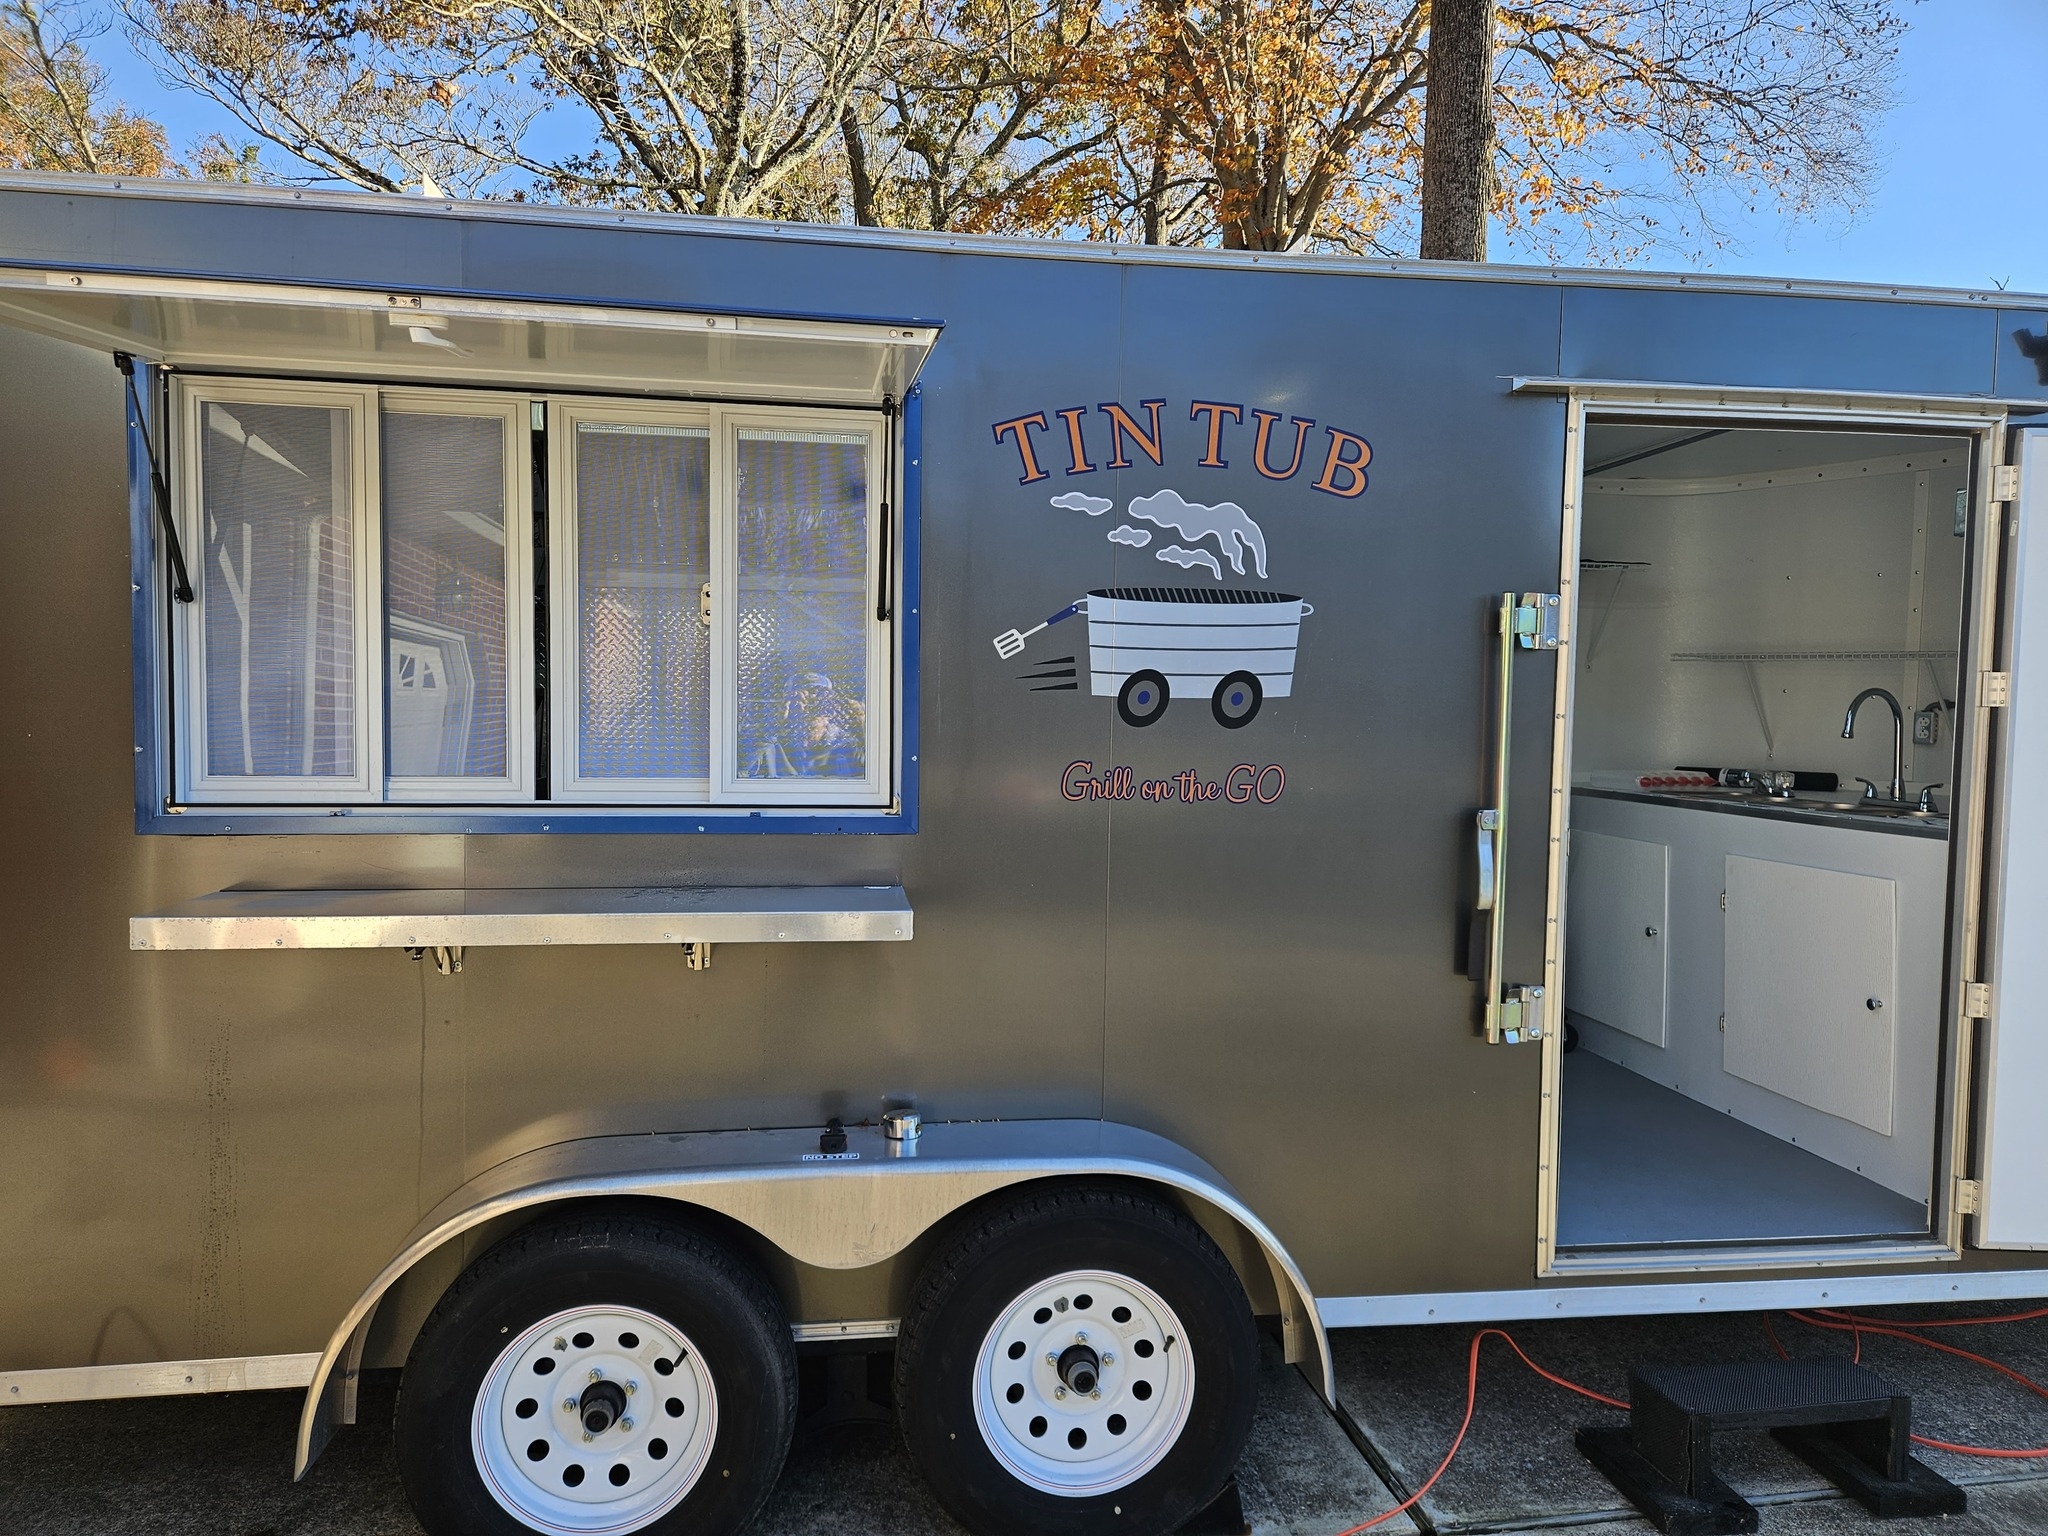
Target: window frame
(728,786)
(164,782)
(516,784)
(186,669)
(567,782)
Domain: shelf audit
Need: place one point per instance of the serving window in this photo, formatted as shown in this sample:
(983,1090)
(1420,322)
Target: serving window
(471,598)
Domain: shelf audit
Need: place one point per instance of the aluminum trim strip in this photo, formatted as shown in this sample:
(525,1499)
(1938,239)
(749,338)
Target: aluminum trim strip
(1734,1257)
(160,1378)
(1665,1298)
(1817,404)
(869,1328)
(484,918)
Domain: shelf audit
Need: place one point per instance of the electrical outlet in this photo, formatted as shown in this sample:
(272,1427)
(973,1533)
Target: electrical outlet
(1926,727)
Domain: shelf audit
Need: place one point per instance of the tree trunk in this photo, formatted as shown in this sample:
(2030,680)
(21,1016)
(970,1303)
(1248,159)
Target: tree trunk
(1457,140)
(863,184)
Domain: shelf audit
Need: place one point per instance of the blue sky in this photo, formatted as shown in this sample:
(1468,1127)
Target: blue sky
(1956,202)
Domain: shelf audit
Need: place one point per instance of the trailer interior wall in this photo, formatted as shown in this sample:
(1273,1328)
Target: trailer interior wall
(214,1153)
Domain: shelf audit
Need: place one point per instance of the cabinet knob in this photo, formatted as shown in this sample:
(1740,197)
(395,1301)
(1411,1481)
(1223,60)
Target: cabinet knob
(1649,933)
(1873,1003)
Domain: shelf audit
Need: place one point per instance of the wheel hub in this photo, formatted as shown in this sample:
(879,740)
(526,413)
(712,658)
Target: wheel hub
(1079,1367)
(1084,1383)
(602,1405)
(594,1422)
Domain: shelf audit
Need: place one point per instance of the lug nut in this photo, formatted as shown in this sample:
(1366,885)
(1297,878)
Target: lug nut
(1059,1391)
(628,1423)
(596,1374)
(1096,1394)
(570,1405)
(586,1437)
(1051,1358)
(1108,1358)
(632,1386)
(1080,1335)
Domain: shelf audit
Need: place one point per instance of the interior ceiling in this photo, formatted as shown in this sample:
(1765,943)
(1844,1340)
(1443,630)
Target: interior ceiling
(1618,451)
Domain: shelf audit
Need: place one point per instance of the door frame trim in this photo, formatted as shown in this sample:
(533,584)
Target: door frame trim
(1985,422)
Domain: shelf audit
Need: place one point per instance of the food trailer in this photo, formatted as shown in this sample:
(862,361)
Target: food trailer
(599,800)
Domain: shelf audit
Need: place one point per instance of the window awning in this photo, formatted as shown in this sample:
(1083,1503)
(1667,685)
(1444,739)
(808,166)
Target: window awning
(396,337)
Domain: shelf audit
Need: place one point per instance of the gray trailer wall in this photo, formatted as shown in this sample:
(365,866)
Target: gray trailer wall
(210,1154)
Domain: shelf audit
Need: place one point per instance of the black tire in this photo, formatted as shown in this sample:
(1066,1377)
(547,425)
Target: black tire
(694,1285)
(1143,698)
(1236,701)
(970,1284)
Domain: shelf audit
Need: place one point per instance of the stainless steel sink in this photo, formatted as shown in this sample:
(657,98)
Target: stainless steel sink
(1837,804)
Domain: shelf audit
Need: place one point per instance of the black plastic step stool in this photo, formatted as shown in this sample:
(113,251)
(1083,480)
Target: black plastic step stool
(1847,1423)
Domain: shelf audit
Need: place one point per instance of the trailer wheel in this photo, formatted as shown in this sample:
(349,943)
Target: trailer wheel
(598,1376)
(1081,1361)
(1143,698)
(1236,701)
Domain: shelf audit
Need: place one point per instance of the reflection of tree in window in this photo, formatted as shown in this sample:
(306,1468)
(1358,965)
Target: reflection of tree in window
(802,509)
(278,575)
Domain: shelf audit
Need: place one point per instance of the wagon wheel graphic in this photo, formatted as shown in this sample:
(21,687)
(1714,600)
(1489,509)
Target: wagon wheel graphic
(1143,698)
(1236,701)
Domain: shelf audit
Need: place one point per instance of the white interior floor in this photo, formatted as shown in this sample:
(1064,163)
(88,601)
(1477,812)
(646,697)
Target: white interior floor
(1642,1165)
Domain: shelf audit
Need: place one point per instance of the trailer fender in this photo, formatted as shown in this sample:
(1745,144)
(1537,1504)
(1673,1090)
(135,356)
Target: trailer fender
(840,1210)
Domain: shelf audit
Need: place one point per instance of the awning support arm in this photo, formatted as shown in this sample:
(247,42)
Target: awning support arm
(160,493)
(884,609)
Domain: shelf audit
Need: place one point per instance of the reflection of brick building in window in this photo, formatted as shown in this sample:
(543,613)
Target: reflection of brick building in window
(446,599)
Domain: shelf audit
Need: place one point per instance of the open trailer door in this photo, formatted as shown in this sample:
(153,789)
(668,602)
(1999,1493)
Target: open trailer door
(2012,1159)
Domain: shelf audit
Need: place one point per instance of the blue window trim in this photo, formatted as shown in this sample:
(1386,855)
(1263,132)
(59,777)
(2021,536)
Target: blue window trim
(149,631)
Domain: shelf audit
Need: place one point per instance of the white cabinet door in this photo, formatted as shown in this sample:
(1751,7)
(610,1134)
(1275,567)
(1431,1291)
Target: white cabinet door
(1616,925)
(2014,1213)
(1810,985)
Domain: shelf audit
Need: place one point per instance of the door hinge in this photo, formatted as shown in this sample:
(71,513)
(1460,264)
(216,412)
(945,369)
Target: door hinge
(1724,901)
(2005,482)
(1969,1196)
(1976,999)
(1519,1016)
(1539,621)
(1994,689)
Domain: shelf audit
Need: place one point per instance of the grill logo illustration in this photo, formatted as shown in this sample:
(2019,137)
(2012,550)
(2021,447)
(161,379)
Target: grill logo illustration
(1149,645)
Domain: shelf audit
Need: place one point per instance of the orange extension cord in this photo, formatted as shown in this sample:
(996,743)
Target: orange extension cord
(1825,1318)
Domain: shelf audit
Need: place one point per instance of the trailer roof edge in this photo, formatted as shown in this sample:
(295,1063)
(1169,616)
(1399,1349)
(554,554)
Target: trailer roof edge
(1029,247)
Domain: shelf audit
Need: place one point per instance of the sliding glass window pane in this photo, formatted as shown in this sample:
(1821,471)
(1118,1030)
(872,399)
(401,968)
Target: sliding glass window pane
(802,630)
(643,557)
(445,633)
(278,582)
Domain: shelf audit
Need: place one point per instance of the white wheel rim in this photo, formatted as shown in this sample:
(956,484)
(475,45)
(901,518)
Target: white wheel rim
(1076,1443)
(633,1471)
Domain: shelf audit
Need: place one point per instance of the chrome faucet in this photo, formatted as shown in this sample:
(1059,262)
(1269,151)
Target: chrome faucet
(1898,736)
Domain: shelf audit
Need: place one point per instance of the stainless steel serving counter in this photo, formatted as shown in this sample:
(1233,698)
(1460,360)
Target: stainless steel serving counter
(463,918)
(1826,810)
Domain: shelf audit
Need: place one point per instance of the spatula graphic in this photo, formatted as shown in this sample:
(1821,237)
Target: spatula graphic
(1010,644)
